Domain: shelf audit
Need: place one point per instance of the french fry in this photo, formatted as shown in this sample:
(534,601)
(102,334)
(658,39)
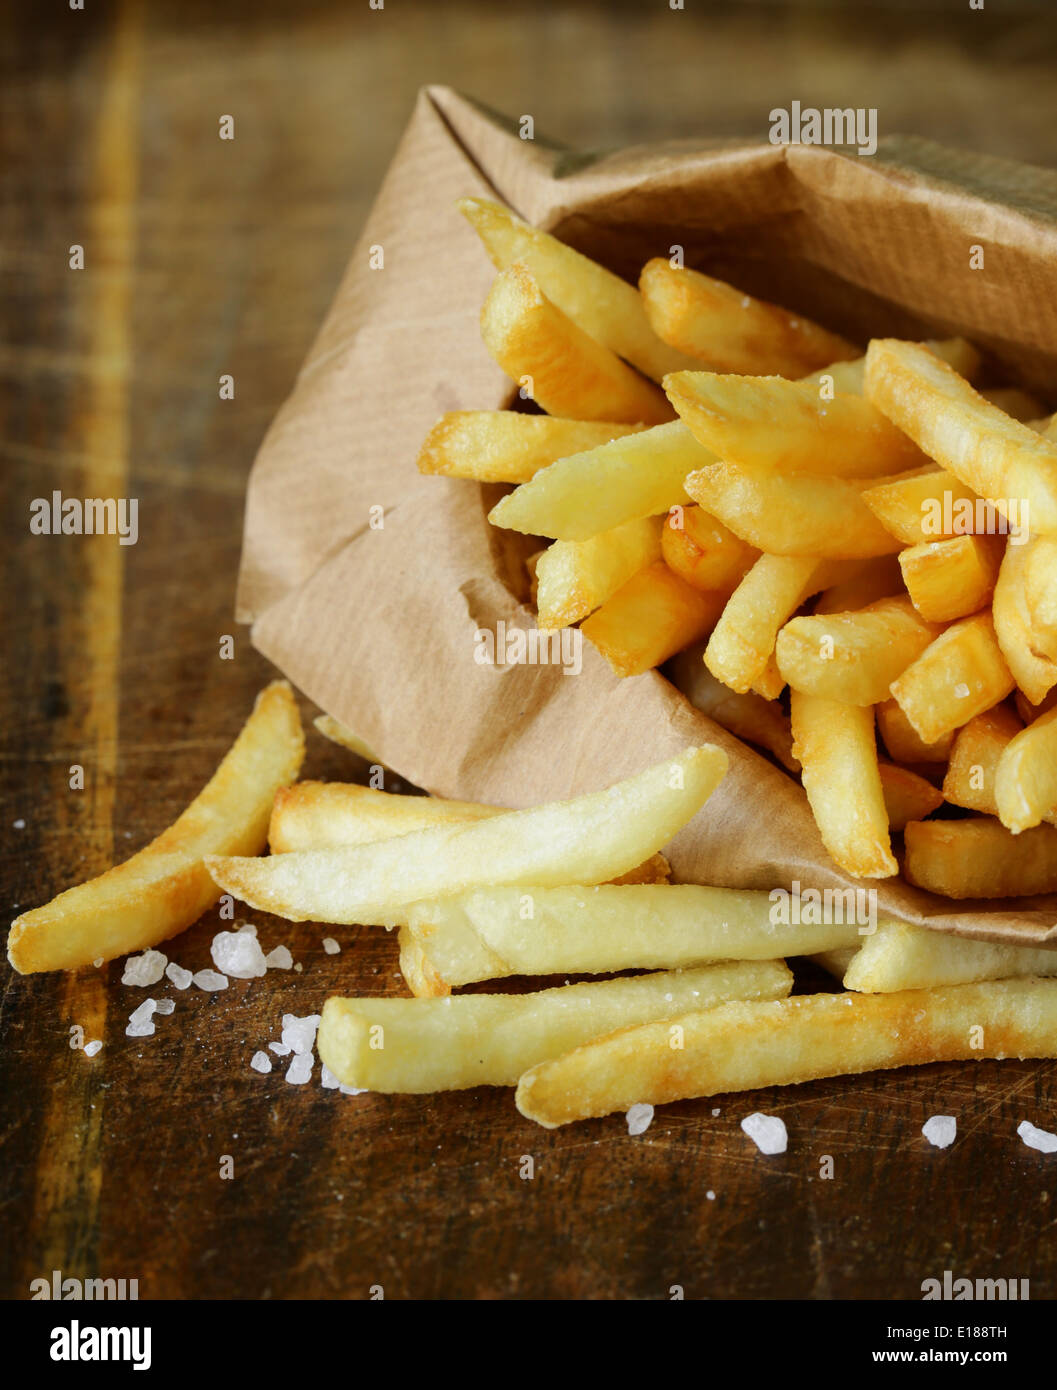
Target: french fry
(730,331)
(907,795)
(803,515)
(837,750)
(345,737)
(492,933)
(1026,776)
(784,426)
(166,886)
(980,858)
(1040,586)
(604,305)
(580,496)
(951,578)
(926,504)
(586,840)
(323,815)
(508,446)
(564,370)
(853,657)
(769,684)
(961,674)
(742,642)
(902,741)
(871,580)
(970,777)
(573,578)
(650,618)
(414,1046)
(1011,400)
(1033,672)
(748,716)
(835,963)
(898,956)
(746,1046)
(998,457)
(1027,711)
(704,552)
(850,375)
(418,971)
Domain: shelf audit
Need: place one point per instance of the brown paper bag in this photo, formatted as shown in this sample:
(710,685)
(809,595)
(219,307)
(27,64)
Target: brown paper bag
(377,625)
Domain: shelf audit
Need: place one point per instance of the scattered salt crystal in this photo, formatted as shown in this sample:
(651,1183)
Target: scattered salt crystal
(711,1196)
(98,962)
(961,690)
(716,1110)
(19,824)
(330,946)
(260,1061)
(329,1080)
(238,953)
(940,1130)
(146,969)
(279,959)
(299,967)
(639,1118)
(91,1048)
(280,1049)
(300,1033)
(745,301)
(209,980)
(141,1020)
(246,927)
(1035,1138)
(140,1030)
(767,1132)
(300,1069)
(354,1091)
(180,977)
(145,1011)
(164,1006)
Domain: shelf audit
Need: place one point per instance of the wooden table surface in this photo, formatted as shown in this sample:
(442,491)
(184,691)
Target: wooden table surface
(204,258)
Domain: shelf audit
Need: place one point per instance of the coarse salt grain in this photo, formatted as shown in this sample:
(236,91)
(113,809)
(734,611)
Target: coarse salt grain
(144,970)
(330,946)
(639,1118)
(260,1061)
(767,1132)
(940,1130)
(300,1033)
(209,980)
(19,824)
(98,962)
(961,690)
(1036,1138)
(238,954)
(180,977)
(329,1081)
(280,1049)
(164,1006)
(91,1048)
(279,959)
(300,1069)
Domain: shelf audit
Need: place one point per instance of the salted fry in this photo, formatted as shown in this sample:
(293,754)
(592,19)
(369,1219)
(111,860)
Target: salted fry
(730,331)
(1040,592)
(928,504)
(704,552)
(960,675)
(898,956)
(587,840)
(419,1045)
(902,741)
(743,641)
(1026,776)
(1033,672)
(601,303)
(166,886)
(871,580)
(803,515)
(650,618)
(970,777)
(853,657)
(837,750)
(980,858)
(907,796)
(492,933)
(508,446)
(418,971)
(998,457)
(746,1046)
(580,496)
(749,716)
(573,578)
(784,426)
(951,578)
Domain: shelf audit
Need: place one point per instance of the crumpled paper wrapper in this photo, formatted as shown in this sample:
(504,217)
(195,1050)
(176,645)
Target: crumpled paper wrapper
(376,624)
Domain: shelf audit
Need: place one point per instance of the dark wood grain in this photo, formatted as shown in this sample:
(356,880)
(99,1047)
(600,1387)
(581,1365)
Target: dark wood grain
(207,257)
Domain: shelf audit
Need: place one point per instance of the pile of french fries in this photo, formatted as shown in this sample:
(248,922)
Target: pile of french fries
(838,544)
(766,521)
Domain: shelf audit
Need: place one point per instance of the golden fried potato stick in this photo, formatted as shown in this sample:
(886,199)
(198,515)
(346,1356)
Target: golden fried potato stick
(970,777)
(869,581)
(1040,585)
(903,743)
(998,457)
(746,1046)
(588,839)
(650,618)
(980,858)
(566,372)
(961,674)
(1026,776)
(704,552)
(749,716)
(573,578)
(412,1046)
(926,504)
(907,795)
(729,330)
(951,578)
(899,956)
(345,737)
(1033,671)
(508,446)
(601,303)
(166,886)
